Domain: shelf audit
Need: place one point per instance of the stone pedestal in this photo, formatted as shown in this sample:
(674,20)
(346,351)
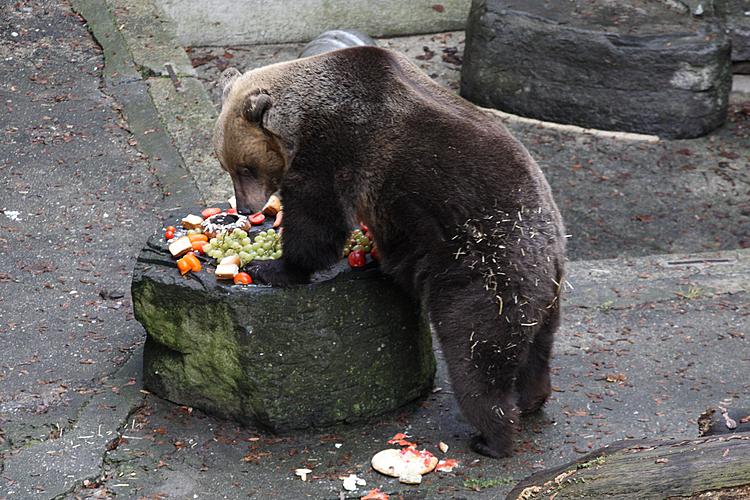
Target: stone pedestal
(347,347)
(636,65)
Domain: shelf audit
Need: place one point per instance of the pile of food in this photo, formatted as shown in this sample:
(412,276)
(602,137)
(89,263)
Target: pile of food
(229,241)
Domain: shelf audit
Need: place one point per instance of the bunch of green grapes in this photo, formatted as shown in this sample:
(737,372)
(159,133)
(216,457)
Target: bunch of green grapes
(357,241)
(265,246)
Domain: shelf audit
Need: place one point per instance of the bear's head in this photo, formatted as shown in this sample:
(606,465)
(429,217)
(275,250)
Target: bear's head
(244,143)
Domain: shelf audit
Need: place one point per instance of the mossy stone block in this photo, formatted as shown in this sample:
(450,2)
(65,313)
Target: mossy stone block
(347,347)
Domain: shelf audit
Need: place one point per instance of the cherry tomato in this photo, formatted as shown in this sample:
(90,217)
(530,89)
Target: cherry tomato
(257,218)
(171,228)
(363,227)
(357,258)
(209,212)
(169,234)
(231,210)
(242,279)
(374,253)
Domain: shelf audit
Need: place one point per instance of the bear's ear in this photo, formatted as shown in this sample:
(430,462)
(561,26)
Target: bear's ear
(226,80)
(256,106)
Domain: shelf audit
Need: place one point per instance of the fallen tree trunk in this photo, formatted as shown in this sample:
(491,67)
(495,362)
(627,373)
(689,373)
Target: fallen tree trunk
(649,469)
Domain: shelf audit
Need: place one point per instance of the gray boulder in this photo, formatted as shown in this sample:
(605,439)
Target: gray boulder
(636,65)
(347,347)
(737,15)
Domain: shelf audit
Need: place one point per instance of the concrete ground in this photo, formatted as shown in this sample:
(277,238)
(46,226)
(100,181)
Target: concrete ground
(89,165)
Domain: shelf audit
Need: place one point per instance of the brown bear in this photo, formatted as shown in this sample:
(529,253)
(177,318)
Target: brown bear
(462,216)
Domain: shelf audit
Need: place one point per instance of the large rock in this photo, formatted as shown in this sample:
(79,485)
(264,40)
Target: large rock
(634,65)
(347,347)
(737,15)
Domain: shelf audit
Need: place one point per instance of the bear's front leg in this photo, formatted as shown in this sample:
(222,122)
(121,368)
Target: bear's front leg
(313,236)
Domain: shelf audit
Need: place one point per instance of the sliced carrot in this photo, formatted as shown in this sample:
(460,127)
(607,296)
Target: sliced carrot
(197,237)
(195,264)
(184,266)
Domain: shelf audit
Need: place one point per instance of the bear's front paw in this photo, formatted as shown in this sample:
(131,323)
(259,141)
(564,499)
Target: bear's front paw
(495,450)
(276,273)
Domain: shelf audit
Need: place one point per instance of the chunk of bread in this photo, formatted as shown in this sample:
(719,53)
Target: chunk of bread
(180,246)
(272,206)
(230,259)
(192,221)
(226,271)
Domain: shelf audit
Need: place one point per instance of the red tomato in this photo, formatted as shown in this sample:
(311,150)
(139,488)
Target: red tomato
(357,259)
(209,212)
(242,279)
(171,228)
(169,234)
(374,253)
(257,218)
(362,227)
(231,210)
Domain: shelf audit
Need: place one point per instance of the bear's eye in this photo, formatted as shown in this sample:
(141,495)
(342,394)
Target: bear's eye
(247,171)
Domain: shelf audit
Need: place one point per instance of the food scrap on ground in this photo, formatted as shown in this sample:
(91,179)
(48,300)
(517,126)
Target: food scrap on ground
(375,494)
(446,465)
(302,473)
(409,464)
(352,482)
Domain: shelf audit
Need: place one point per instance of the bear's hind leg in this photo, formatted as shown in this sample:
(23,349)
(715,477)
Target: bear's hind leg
(533,380)
(482,358)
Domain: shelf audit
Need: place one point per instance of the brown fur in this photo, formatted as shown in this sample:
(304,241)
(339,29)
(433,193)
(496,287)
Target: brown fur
(462,215)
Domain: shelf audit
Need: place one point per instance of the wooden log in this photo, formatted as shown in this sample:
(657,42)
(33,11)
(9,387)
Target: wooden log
(649,469)
(721,420)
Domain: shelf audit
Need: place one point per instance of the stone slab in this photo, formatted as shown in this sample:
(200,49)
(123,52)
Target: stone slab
(224,22)
(635,66)
(347,347)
